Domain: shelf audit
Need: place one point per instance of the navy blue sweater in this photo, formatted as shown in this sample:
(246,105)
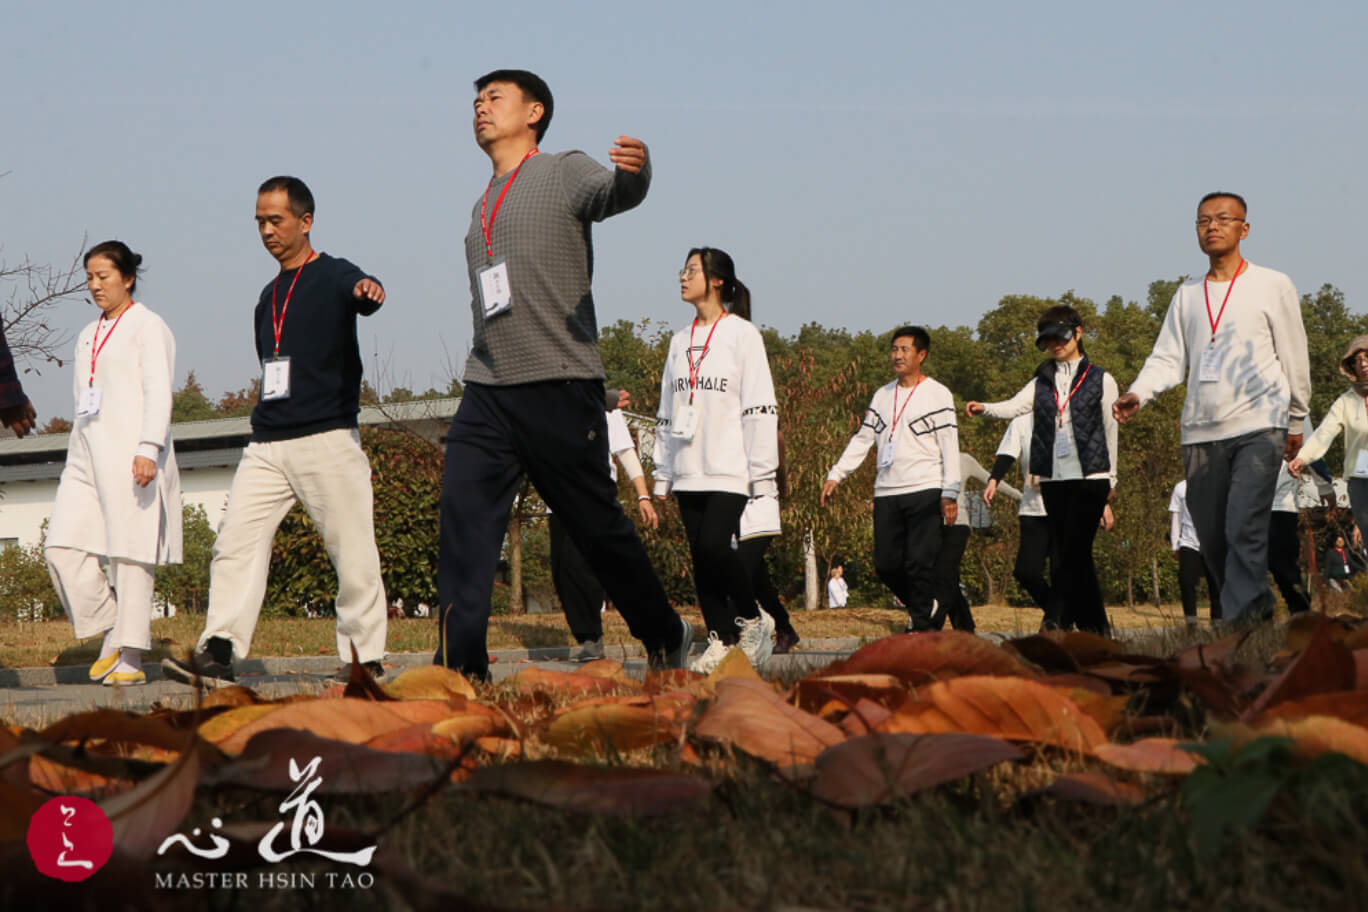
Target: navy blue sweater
(319,338)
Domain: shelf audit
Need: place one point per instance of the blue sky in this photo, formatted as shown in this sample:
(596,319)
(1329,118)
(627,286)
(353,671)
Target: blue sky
(865,163)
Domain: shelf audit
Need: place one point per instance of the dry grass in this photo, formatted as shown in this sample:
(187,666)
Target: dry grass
(51,642)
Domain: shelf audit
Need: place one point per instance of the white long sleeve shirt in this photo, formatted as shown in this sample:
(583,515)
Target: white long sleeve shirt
(735,447)
(1347,414)
(1182,531)
(1066,467)
(920,453)
(1263,377)
(1016,443)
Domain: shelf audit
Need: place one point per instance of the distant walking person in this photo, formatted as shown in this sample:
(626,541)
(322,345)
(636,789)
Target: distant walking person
(1073,451)
(305,447)
(1348,415)
(1187,547)
(1284,537)
(838,590)
(118,502)
(951,602)
(1236,338)
(1033,545)
(579,591)
(911,424)
(533,401)
(1338,569)
(717,449)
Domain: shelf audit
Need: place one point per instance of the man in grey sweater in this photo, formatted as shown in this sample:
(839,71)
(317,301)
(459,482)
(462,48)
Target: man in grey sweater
(1236,338)
(534,397)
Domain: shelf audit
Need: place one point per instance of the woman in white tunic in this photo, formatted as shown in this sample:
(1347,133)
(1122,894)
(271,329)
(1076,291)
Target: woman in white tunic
(118,501)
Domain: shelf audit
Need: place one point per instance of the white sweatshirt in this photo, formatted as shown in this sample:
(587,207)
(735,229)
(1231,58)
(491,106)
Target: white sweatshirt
(1182,531)
(735,447)
(1066,467)
(1348,413)
(924,446)
(1264,375)
(1016,443)
(838,590)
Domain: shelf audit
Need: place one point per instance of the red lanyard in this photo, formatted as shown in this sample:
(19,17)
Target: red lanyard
(707,343)
(1217,322)
(278,323)
(1055,391)
(898,412)
(488,227)
(96,349)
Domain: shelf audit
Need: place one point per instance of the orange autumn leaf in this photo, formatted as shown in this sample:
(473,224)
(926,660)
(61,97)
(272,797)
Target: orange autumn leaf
(416,739)
(1211,656)
(751,716)
(531,680)
(222,726)
(430,682)
(610,669)
(621,726)
(1107,711)
(500,748)
(1011,708)
(879,768)
(1311,736)
(233,696)
(1349,705)
(864,717)
(60,779)
(352,720)
(1324,666)
(1085,648)
(814,691)
(1149,755)
(918,658)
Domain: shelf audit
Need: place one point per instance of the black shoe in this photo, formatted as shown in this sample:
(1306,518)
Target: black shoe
(375,669)
(211,666)
(785,640)
(676,656)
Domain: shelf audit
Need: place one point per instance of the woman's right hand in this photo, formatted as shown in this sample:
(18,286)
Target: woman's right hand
(1295,466)
(973,409)
(990,491)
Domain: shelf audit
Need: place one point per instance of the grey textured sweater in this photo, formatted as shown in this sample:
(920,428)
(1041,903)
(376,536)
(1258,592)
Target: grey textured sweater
(542,231)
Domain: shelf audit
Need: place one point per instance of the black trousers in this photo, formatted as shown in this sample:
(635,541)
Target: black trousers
(1032,552)
(711,521)
(556,434)
(1075,509)
(1284,559)
(950,599)
(752,552)
(907,537)
(579,591)
(1192,568)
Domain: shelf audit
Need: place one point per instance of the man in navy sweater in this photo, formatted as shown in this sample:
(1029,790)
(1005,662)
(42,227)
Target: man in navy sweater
(304,446)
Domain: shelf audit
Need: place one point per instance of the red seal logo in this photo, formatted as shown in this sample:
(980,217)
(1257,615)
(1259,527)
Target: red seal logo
(70,838)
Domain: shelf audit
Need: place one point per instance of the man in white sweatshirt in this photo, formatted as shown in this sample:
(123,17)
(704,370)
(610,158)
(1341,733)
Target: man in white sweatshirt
(1236,338)
(911,422)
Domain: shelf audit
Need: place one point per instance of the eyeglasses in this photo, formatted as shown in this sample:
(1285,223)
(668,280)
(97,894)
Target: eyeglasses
(1220,220)
(1360,357)
(689,273)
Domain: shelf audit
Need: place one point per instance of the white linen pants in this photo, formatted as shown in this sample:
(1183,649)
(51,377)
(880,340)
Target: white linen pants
(329,474)
(121,601)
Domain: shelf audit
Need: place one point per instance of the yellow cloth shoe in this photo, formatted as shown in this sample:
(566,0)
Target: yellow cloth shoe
(104,666)
(125,678)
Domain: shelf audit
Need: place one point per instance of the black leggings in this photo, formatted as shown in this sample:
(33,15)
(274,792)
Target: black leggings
(752,553)
(950,599)
(1191,569)
(1075,510)
(1032,552)
(711,520)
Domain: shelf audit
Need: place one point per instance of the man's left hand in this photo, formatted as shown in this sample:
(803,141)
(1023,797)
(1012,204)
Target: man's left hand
(628,154)
(1109,518)
(1294,442)
(370,289)
(949,510)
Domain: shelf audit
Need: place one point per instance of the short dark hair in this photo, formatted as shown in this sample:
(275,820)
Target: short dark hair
(301,200)
(920,337)
(532,86)
(1060,313)
(1223,194)
(125,260)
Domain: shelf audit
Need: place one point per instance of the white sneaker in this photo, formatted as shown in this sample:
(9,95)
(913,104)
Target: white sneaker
(712,656)
(757,638)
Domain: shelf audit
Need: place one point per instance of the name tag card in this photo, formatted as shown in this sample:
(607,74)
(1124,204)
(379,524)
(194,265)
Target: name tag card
(275,379)
(1061,444)
(496,295)
(685,423)
(88,404)
(887,454)
(1209,368)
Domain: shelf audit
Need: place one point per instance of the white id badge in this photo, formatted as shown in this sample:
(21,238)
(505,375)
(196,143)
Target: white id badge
(1361,464)
(275,379)
(1061,443)
(685,423)
(1209,368)
(88,405)
(495,294)
(887,454)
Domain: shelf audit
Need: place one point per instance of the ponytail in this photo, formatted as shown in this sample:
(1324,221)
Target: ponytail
(717,264)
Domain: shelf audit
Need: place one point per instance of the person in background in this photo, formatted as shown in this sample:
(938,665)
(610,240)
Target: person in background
(838,591)
(1348,414)
(1187,548)
(1073,451)
(16,412)
(911,424)
(759,526)
(950,598)
(119,500)
(1236,338)
(1338,569)
(717,448)
(1033,545)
